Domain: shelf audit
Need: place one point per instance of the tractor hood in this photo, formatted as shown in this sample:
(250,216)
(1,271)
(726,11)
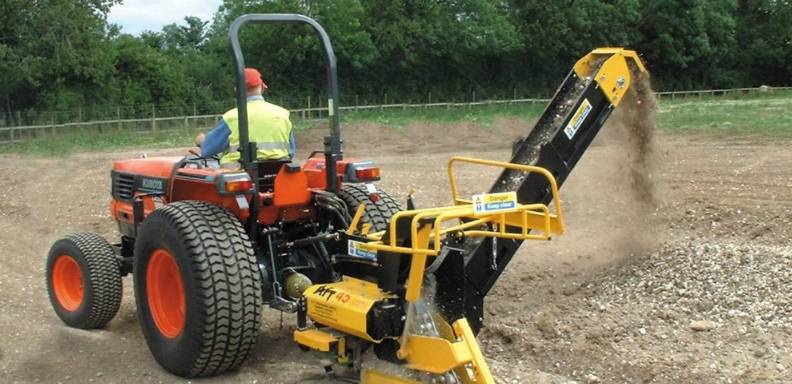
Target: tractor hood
(150,166)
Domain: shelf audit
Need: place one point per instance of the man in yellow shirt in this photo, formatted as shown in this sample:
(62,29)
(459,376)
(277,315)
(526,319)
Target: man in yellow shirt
(268,126)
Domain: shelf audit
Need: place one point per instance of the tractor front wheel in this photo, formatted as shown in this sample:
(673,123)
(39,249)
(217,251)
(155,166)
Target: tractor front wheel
(84,280)
(198,289)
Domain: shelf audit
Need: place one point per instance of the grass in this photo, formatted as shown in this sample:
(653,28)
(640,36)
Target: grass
(755,114)
(60,145)
(483,115)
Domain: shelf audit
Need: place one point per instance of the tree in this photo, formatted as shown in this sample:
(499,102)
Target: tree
(53,52)
(686,42)
(190,37)
(62,54)
(144,74)
(290,56)
(764,35)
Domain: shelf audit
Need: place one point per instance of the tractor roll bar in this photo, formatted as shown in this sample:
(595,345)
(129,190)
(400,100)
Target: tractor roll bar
(332,143)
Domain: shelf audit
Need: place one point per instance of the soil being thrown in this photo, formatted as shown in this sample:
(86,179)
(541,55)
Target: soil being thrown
(637,120)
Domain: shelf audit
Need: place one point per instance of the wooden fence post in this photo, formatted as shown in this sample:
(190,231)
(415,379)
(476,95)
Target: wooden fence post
(309,107)
(356,102)
(119,125)
(52,124)
(79,118)
(153,118)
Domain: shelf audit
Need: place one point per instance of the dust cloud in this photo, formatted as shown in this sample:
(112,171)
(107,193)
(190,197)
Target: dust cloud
(629,138)
(638,122)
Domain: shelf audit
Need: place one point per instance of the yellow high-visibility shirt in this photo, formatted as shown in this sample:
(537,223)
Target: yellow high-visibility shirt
(268,126)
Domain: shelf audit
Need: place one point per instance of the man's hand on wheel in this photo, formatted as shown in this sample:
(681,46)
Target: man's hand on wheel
(199,139)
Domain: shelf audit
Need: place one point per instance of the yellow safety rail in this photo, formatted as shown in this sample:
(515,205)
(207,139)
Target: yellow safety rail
(427,230)
(500,164)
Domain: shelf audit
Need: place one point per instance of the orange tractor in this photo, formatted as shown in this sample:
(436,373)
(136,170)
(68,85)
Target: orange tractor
(209,247)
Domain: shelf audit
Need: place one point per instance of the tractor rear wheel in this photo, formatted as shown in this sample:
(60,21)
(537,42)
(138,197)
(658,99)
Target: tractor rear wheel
(377,213)
(84,280)
(198,289)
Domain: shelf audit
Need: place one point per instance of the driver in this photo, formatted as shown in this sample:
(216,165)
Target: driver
(268,126)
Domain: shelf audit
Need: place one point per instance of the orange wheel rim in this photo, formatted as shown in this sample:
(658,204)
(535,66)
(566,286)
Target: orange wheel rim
(165,293)
(67,282)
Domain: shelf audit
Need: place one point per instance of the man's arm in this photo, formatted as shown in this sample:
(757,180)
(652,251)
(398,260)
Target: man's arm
(216,141)
(292,142)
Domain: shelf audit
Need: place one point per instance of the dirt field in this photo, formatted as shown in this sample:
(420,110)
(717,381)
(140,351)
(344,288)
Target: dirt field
(611,301)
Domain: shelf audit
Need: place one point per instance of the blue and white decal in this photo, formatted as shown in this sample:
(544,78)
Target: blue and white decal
(577,119)
(359,249)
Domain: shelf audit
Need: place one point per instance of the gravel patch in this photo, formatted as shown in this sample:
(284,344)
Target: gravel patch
(710,282)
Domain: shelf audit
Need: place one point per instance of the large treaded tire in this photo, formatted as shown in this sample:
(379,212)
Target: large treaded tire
(96,275)
(377,213)
(221,288)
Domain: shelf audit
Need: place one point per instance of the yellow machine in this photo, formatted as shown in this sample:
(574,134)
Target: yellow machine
(395,316)
(344,308)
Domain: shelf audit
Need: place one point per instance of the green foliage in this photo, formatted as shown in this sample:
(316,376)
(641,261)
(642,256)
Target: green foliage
(51,48)
(765,41)
(62,54)
(691,37)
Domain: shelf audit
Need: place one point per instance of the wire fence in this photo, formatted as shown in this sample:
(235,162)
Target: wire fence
(162,118)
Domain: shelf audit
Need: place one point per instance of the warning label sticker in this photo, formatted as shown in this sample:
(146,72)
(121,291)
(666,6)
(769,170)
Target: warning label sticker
(577,119)
(494,202)
(323,311)
(358,249)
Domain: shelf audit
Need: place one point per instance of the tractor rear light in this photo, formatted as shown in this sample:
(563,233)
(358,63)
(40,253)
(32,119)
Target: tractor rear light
(367,174)
(233,184)
(238,186)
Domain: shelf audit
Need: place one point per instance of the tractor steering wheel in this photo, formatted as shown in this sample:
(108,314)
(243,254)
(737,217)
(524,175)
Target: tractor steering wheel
(206,160)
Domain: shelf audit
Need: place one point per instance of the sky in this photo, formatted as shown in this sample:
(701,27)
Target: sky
(135,16)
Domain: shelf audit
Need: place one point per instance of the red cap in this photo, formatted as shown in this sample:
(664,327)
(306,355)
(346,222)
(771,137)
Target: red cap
(253,78)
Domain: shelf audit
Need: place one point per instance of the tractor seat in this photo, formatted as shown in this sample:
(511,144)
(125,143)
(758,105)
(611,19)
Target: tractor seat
(267,170)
